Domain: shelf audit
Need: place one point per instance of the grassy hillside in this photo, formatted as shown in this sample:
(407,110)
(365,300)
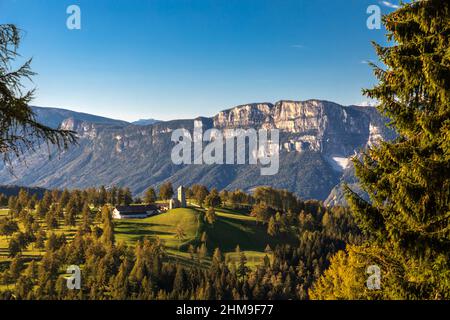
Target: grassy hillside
(163,226)
(230,230)
(238,228)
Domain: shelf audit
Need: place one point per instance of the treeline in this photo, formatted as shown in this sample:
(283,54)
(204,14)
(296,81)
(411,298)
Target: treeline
(12,190)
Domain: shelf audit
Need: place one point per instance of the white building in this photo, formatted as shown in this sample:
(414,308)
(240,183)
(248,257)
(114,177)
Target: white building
(135,211)
(180,200)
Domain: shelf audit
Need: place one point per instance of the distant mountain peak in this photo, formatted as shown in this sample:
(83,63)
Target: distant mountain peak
(54,117)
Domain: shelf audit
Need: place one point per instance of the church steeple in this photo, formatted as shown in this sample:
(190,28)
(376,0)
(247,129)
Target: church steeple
(182,196)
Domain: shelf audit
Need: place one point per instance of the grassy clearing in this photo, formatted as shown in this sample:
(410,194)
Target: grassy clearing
(225,213)
(163,226)
(254,258)
(233,229)
(230,229)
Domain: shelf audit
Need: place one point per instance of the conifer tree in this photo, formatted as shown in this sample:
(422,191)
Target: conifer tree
(65,197)
(166,191)
(14,247)
(70,214)
(202,251)
(85,226)
(408,179)
(51,219)
(108,227)
(204,237)
(180,234)
(210,215)
(150,196)
(180,280)
(272,227)
(242,267)
(15,268)
(19,130)
(213,199)
(127,197)
(217,256)
(102,196)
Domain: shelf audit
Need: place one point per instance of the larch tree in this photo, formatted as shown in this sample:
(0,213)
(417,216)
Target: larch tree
(211,216)
(272,227)
(108,237)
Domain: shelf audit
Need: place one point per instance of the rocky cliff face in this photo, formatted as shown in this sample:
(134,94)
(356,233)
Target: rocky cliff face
(317,138)
(313,125)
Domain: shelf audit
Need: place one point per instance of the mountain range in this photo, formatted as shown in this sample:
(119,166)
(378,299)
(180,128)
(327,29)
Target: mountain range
(317,139)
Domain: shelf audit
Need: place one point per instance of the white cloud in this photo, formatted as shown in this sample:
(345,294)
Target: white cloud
(389,4)
(297,46)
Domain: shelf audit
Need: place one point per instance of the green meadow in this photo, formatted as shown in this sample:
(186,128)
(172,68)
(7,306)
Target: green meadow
(230,230)
(163,226)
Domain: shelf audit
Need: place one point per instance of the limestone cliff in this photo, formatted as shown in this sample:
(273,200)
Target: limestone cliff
(317,139)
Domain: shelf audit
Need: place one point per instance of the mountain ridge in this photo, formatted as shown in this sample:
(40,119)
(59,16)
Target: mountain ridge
(316,138)
(53,117)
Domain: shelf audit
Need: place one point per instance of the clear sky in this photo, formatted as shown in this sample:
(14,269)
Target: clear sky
(169,59)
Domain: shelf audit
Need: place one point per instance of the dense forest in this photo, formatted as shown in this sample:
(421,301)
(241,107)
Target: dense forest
(117,271)
(112,270)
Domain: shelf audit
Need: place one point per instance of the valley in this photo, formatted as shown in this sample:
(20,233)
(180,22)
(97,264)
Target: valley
(316,139)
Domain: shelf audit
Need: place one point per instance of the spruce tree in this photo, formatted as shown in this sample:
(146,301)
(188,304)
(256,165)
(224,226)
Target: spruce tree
(408,216)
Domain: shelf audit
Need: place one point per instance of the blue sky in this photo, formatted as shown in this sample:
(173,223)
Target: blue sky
(169,59)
